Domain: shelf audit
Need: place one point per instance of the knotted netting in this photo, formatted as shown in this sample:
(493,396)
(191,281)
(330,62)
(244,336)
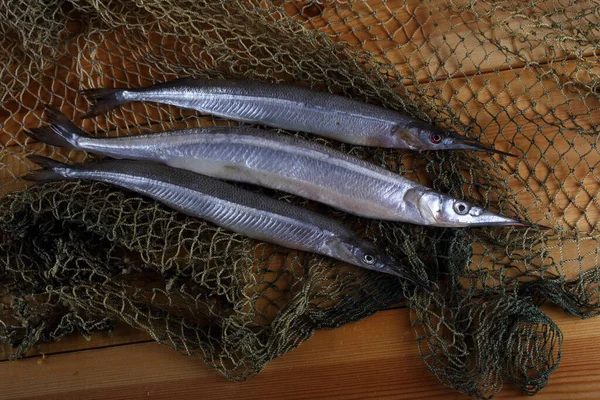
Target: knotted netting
(520,76)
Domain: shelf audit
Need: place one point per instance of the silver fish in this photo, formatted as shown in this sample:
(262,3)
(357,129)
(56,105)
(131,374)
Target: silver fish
(241,211)
(293,108)
(284,163)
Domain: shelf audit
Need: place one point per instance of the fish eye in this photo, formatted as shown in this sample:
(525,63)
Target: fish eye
(435,138)
(369,259)
(461,208)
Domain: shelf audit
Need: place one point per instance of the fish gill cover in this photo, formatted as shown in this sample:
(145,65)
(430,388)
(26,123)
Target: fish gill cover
(523,77)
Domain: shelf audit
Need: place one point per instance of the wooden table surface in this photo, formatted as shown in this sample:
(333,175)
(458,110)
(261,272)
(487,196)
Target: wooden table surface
(377,357)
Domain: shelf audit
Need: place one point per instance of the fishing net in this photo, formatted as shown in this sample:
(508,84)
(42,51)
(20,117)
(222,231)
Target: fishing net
(521,76)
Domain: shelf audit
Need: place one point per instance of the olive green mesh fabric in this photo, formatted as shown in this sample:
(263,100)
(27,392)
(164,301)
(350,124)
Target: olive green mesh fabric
(521,76)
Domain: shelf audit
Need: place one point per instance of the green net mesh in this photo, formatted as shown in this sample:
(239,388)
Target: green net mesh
(521,76)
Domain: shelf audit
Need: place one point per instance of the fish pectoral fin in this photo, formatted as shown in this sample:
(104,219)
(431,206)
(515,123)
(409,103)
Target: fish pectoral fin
(407,136)
(414,196)
(338,249)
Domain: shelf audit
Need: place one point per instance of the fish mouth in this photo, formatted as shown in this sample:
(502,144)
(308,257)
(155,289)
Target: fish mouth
(392,269)
(492,219)
(417,282)
(471,144)
(525,225)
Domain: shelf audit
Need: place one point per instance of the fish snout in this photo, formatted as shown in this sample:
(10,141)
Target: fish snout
(393,268)
(490,219)
(472,144)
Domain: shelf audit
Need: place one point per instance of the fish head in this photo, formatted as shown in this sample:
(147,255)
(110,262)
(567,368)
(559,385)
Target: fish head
(419,135)
(361,253)
(440,210)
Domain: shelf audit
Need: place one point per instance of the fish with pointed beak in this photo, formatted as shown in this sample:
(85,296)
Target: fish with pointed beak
(285,163)
(251,214)
(292,108)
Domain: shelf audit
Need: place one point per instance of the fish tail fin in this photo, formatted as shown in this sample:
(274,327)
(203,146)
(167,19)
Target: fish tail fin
(61,132)
(50,171)
(104,100)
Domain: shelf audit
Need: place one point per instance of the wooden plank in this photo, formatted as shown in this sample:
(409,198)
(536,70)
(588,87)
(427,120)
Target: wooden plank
(528,112)
(123,334)
(374,358)
(437,39)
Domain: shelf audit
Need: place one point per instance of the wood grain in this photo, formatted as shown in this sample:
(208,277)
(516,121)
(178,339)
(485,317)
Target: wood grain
(122,334)
(438,39)
(376,358)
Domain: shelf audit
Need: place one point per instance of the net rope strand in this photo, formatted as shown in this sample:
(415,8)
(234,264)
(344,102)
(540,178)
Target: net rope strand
(522,77)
